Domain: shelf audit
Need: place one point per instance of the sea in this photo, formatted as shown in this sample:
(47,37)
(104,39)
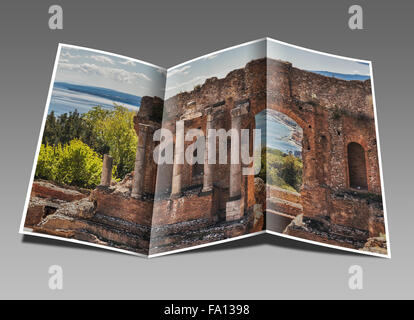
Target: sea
(67,97)
(275,134)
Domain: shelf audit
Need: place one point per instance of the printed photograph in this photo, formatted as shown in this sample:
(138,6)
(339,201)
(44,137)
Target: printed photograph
(199,201)
(260,137)
(82,179)
(322,173)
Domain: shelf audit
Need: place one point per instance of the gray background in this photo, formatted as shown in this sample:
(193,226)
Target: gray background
(168,33)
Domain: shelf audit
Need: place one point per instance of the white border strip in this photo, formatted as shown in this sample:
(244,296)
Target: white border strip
(207,244)
(384,202)
(91,244)
(64,45)
(216,52)
(329,245)
(318,52)
(39,141)
(266,39)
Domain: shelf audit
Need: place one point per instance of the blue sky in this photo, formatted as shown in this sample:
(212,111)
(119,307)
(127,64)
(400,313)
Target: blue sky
(187,75)
(88,67)
(307,60)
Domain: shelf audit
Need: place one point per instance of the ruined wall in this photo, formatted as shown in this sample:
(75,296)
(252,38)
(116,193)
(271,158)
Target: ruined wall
(187,208)
(331,112)
(146,122)
(112,203)
(244,88)
(46,197)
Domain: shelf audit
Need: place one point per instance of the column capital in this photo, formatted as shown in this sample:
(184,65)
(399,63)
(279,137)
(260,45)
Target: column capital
(209,113)
(241,107)
(208,110)
(244,104)
(236,112)
(144,128)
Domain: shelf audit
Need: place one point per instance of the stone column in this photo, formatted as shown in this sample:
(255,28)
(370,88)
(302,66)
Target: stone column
(208,168)
(235,168)
(139,170)
(235,205)
(106,175)
(178,160)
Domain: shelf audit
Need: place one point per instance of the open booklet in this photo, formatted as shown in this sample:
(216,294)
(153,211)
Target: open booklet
(261,137)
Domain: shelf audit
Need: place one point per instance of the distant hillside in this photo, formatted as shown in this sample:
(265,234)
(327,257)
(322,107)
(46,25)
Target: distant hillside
(342,76)
(102,92)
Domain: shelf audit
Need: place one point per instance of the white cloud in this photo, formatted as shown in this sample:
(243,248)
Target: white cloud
(103,59)
(129,63)
(211,57)
(182,70)
(116,74)
(361,72)
(187,85)
(67,54)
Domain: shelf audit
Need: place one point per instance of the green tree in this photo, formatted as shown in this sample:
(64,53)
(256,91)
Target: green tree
(94,120)
(66,127)
(74,164)
(291,171)
(281,169)
(114,133)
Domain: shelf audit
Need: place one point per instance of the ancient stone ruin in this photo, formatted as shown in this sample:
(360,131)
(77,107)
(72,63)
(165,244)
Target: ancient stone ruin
(173,206)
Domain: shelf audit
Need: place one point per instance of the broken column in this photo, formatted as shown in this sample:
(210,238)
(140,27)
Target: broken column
(235,205)
(139,170)
(235,166)
(208,167)
(178,160)
(106,175)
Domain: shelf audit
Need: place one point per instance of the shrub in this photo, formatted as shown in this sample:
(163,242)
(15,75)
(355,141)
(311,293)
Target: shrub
(281,169)
(74,164)
(46,161)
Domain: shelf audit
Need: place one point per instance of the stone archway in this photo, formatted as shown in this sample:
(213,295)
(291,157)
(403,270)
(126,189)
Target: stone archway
(283,171)
(298,114)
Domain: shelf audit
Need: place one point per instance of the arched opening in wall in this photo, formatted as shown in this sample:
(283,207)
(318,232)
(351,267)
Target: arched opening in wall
(282,167)
(357,166)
